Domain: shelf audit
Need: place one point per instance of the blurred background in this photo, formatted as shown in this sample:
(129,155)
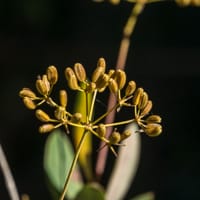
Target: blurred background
(164,58)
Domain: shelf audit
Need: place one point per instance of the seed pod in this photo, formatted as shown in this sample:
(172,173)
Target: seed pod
(147,108)
(153,129)
(102,81)
(71,78)
(29,103)
(59,113)
(130,88)
(154,119)
(46,82)
(137,96)
(26,92)
(125,134)
(46,128)
(101,63)
(99,71)
(52,74)
(80,72)
(63,98)
(91,87)
(115,137)
(143,101)
(101,130)
(120,78)
(41,87)
(113,86)
(76,118)
(42,116)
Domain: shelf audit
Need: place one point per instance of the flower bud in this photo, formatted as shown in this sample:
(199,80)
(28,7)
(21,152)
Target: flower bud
(102,81)
(41,87)
(59,113)
(101,130)
(153,129)
(71,78)
(120,78)
(42,116)
(46,82)
(147,108)
(99,71)
(46,128)
(63,98)
(26,92)
(137,96)
(76,118)
(52,74)
(80,72)
(143,101)
(113,86)
(91,87)
(130,88)
(125,134)
(154,119)
(29,103)
(115,137)
(114,2)
(101,63)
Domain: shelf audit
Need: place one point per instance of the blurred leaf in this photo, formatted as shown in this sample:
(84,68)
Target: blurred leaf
(125,166)
(145,196)
(58,156)
(91,192)
(86,151)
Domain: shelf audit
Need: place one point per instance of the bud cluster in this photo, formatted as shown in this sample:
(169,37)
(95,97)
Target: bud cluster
(115,81)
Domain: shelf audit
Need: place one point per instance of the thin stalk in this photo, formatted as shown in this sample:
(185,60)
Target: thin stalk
(121,61)
(73,165)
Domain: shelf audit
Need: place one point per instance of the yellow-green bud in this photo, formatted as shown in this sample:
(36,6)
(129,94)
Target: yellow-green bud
(102,81)
(137,96)
(147,108)
(46,82)
(125,134)
(76,118)
(26,92)
(28,102)
(154,119)
(120,78)
(42,116)
(115,137)
(113,86)
(99,71)
(101,63)
(143,101)
(130,89)
(91,87)
(59,113)
(52,74)
(71,78)
(46,128)
(63,98)
(41,87)
(101,130)
(80,72)
(153,129)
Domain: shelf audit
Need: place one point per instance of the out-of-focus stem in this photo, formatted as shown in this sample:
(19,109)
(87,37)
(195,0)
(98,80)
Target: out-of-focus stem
(121,61)
(10,183)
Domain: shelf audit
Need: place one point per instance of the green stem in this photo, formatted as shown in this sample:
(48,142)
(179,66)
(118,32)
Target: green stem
(73,165)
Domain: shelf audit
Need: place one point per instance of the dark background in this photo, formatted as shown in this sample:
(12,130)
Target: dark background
(164,58)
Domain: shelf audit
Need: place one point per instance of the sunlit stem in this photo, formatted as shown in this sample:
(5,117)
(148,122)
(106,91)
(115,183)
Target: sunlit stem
(73,165)
(92,104)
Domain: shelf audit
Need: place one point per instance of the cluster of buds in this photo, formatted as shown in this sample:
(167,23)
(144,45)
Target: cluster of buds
(126,93)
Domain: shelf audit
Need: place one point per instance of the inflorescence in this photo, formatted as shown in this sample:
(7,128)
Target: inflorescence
(126,93)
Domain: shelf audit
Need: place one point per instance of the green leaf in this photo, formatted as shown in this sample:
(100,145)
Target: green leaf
(145,196)
(58,156)
(125,166)
(91,192)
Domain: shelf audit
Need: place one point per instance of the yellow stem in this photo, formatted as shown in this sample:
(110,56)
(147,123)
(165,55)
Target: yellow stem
(73,165)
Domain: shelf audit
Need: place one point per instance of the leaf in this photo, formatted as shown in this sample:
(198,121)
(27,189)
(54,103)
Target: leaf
(125,166)
(91,192)
(145,196)
(58,156)
(86,151)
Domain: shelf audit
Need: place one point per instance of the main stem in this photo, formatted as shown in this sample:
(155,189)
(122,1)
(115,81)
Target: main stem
(121,61)
(73,165)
